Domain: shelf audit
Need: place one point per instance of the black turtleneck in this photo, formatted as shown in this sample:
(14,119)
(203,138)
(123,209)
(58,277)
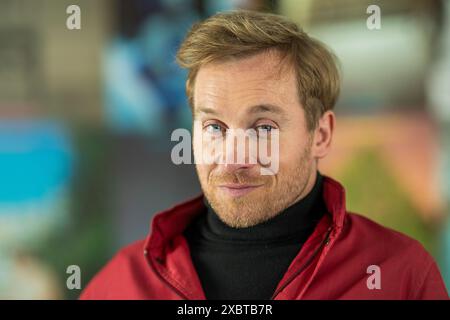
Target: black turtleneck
(248,263)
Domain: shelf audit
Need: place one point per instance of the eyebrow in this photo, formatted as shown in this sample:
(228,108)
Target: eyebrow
(267,108)
(205,110)
(259,108)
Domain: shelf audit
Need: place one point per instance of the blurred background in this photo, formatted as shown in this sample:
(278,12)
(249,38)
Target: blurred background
(86,117)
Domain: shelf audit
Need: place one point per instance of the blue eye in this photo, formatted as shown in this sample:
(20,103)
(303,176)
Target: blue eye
(214,128)
(265,127)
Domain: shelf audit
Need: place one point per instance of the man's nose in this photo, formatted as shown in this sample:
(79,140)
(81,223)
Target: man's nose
(238,156)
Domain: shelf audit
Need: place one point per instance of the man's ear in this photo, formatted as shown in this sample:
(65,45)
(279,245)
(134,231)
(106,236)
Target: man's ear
(323,135)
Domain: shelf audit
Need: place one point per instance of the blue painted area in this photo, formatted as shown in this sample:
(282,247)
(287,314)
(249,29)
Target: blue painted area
(35,159)
(144,88)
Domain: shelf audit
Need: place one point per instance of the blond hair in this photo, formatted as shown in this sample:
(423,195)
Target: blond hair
(241,33)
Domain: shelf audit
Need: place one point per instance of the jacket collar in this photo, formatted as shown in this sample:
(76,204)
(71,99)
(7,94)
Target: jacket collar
(168,224)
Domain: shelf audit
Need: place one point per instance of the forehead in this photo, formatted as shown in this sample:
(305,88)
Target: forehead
(263,78)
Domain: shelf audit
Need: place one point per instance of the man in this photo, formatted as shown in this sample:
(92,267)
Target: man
(284,234)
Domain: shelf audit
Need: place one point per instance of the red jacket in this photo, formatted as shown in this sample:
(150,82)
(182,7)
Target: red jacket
(334,263)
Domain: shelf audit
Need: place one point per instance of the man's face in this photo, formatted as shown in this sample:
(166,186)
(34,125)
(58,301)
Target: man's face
(252,93)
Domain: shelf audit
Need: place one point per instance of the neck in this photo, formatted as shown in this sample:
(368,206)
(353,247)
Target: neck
(312,181)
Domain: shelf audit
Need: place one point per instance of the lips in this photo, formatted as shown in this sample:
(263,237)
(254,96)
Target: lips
(237,190)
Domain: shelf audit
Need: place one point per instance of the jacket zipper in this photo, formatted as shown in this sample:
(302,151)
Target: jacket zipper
(324,242)
(153,267)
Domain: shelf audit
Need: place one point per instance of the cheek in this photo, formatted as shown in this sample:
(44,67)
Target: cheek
(293,148)
(207,149)
(203,172)
(288,148)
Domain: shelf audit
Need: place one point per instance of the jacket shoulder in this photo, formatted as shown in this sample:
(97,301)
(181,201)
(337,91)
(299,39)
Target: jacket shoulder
(384,240)
(385,246)
(372,230)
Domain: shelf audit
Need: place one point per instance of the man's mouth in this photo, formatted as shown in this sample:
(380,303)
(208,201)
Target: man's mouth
(238,189)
